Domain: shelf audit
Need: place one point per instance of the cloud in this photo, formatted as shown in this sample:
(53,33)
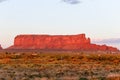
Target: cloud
(71,1)
(2,1)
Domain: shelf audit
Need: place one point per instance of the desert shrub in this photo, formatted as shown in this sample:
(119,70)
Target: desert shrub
(2,79)
(92,57)
(6,52)
(15,56)
(59,74)
(65,57)
(113,78)
(61,57)
(33,76)
(86,73)
(80,57)
(83,79)
(58,57)
(102,57)
(102,78)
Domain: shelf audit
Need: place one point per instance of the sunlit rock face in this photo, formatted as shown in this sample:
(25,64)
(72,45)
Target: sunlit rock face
(57,42)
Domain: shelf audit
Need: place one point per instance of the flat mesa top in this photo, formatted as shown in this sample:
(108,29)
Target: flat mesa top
(47,35)
(26,35)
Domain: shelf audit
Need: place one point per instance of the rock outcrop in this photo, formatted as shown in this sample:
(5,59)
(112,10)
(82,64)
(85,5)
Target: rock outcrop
(57,42)
(0,47)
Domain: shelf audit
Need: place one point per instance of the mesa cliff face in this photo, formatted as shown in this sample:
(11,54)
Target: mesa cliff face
(0,47)
(57,42)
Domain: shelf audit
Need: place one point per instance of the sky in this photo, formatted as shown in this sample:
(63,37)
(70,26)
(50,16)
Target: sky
(98,19)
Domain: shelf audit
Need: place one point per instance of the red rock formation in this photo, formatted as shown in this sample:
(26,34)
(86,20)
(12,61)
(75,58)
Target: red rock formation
(0,47)
(57,42)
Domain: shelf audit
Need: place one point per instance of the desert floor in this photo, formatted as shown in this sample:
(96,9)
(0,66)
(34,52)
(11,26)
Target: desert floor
(59,65)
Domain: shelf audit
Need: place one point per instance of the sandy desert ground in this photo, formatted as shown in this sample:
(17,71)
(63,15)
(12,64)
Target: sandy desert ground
(59,65)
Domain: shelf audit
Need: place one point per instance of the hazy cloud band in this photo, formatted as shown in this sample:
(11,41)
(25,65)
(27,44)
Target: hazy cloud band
(117,40)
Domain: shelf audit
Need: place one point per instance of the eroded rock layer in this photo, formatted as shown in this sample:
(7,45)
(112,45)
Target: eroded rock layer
(57,42)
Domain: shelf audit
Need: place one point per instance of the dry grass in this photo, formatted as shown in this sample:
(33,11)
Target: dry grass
(59,66)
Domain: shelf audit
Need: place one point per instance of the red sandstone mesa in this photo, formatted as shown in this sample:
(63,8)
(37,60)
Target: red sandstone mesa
(0,47)
(57,42)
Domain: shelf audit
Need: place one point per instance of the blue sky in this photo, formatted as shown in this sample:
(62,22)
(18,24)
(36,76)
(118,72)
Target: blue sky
(98,19)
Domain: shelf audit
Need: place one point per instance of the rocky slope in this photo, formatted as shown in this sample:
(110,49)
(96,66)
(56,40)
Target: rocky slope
(57,42)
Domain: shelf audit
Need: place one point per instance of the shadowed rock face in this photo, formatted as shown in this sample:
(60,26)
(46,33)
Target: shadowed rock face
(57,42)
(0,47)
